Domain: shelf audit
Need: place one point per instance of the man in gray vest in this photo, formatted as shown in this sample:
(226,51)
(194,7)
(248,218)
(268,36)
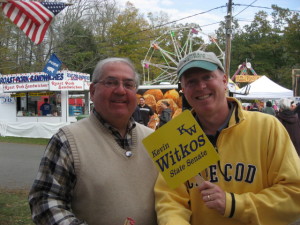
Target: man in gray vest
(97,171)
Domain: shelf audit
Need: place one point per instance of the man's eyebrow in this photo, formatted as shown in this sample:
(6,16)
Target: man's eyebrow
(129,79)
(110,77)
(126,79)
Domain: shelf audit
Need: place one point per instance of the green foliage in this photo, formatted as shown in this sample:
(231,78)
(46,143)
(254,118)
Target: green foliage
(269,47)
(18,54)
(22,140)
(77,47)
(128,36)
(291,39)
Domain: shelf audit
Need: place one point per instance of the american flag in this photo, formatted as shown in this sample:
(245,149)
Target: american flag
(33,18)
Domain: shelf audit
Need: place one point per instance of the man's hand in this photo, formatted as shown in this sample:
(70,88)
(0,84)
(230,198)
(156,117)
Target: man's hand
(213,196)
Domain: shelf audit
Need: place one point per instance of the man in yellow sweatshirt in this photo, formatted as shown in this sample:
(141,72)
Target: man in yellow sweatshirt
(256,181)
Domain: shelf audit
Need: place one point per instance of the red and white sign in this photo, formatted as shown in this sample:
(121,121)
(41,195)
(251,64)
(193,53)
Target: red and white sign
(70,85)
(38,86)
(87,85)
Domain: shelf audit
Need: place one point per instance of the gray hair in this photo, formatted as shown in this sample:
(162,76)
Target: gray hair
(98,71)
(285,104)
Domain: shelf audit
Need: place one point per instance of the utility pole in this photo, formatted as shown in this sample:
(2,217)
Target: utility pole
(228,31)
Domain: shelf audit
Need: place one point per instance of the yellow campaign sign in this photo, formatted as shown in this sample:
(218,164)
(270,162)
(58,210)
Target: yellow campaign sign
(180,149)
(18,95)
(40,93)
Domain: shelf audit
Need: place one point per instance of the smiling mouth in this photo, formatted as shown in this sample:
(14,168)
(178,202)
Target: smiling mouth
(203,97)
(119,101)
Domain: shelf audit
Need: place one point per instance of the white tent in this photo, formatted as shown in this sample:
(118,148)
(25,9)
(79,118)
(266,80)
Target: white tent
(264,88)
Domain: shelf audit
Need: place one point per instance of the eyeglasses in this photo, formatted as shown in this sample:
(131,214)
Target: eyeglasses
(111,82)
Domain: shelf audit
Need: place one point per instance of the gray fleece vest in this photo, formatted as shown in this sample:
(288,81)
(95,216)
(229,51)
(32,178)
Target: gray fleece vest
(110,186)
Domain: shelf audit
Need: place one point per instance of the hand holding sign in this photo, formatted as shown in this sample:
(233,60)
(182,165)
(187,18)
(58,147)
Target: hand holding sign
(180,149)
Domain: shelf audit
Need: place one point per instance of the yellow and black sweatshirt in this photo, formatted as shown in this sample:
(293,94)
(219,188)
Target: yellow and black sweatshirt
(259,170)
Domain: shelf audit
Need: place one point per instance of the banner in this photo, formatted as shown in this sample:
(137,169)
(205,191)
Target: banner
(36,86)
(246,78)
(70,85)
(52,66)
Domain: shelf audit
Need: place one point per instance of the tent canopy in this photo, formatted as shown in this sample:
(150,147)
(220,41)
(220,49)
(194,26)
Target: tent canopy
(264,88)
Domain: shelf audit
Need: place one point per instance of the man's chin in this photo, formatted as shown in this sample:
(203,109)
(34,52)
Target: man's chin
(121,114)
(204,109)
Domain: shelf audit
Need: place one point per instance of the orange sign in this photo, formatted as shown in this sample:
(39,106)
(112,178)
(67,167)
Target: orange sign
(246,78)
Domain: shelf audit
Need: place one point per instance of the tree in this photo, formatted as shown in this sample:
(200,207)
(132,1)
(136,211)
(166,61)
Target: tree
(261,44)
(128,36)
(82,29)
(291,38)
(77,48)
(21,55)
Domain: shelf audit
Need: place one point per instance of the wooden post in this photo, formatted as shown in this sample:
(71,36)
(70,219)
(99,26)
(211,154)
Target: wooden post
(228,30)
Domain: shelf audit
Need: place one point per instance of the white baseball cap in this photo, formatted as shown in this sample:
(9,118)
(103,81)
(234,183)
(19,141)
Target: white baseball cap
(199,59)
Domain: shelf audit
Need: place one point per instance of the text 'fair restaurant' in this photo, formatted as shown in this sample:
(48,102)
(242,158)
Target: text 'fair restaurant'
(22,96)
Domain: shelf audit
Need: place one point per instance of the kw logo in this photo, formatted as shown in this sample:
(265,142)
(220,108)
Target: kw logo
(190,130)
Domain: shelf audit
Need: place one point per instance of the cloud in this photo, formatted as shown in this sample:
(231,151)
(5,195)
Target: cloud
(169,7)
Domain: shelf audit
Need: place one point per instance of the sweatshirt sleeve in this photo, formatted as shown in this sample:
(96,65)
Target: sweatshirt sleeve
(279,201)
(172,205)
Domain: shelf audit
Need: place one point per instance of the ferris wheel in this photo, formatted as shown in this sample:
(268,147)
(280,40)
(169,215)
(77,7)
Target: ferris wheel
(160,62)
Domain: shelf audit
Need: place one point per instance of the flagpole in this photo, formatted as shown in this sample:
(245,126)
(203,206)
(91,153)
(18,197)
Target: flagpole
(36,23)
(5,1)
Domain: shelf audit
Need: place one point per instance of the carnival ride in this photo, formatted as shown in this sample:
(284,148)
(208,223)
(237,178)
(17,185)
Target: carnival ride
(160,62)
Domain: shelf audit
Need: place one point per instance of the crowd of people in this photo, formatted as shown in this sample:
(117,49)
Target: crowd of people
(287,112)
(97,171)
(290,118)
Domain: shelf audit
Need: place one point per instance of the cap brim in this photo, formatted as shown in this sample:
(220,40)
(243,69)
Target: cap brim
(198,64)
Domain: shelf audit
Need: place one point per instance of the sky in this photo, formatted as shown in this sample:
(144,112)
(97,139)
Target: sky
(178,9)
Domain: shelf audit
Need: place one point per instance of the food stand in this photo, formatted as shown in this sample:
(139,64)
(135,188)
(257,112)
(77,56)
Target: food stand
(21,96)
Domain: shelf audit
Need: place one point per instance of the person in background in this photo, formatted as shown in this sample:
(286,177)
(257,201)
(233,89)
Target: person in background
(97,171)
(137,116)
(21,112)
(290,121)
(297,110)
(254,107)
(256,180)
(45,108)
(166,113)
(269,109)
(55,113)
(146,111)
(293,105)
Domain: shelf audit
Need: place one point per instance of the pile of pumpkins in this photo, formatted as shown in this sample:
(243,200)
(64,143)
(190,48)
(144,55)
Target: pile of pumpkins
(154,97)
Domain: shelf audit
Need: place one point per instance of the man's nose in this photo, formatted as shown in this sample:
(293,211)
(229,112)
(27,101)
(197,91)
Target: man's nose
(120,87)
(202,84)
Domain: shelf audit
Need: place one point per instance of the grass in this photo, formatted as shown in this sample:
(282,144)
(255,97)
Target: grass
(14,208)
(22,140)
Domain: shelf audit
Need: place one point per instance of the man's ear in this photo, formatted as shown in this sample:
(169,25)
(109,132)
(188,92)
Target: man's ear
(92,90)
(225,80)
